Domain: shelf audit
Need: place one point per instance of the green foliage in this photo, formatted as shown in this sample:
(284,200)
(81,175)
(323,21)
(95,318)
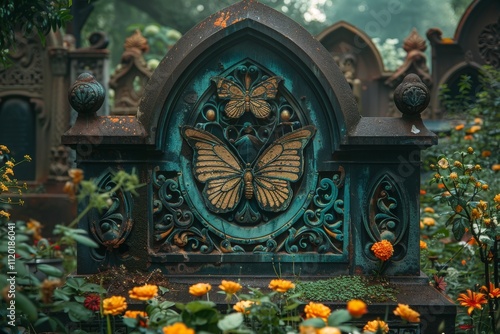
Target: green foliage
(345,288)
(30,17)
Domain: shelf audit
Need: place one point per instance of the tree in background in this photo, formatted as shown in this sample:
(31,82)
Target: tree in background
(30,17)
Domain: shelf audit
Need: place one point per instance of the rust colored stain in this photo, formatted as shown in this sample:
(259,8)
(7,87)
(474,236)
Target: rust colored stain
(222,20)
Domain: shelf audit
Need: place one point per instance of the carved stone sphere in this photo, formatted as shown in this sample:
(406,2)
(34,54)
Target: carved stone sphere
(412,96)
(86,95)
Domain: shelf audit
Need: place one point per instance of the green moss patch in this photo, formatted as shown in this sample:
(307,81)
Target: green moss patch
(345,288)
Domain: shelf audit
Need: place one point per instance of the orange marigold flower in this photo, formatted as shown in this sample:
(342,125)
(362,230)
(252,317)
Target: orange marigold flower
(492,291)
(495,167)
(483,205)
(145,292)
(478,120)
(486,154)
(468,137)
(383,250)
(375,325)
(470,150)
(243,306)
(423,244)
(459,127)
(485,187)
(443,163)
(199,289)
(76,175)
(307,329)
(281,285)
(474,128)
(317,310)
(422,192)
(406,313)
(429,221)
(457,164)
(69,188)
(178,328)
(141,317)
(458,209)
(114,305)
(453,176)
(230,287)
(429,210)
(440,185)
(356,308)
(328,330)
(472,300)
(463,262)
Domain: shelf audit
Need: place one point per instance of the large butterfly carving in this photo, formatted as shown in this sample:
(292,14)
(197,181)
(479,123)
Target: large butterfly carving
(243,99)
(268,179)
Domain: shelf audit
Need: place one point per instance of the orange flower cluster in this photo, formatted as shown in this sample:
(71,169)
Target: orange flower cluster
(317,310)
(328,330)
(472,300)
(141,317)
(114,305)
(383,250)
(423,244)
(356,308)
(178,328)
(406,313)
(491,291)
(145,292)
(199,289)
(375,325)
(281,285)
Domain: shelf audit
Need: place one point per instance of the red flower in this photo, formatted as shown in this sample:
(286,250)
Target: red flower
(466,326)
(92,302)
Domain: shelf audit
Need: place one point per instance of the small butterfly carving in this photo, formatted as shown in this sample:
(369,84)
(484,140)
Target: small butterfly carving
(247,98)
(267,179)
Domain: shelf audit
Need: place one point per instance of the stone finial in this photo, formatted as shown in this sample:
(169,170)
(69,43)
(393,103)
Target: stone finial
(86,95)
(414,42)
(412,96)
(137,41)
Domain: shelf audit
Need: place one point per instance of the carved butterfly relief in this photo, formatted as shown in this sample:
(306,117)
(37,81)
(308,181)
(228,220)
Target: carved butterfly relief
(267,179)
(247,98)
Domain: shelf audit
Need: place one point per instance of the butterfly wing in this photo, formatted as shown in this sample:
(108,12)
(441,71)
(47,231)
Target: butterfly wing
(265,90)
(280,164)
(229,90)
(217,167)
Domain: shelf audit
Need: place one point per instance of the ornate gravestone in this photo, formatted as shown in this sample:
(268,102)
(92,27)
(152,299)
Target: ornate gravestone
(254,156)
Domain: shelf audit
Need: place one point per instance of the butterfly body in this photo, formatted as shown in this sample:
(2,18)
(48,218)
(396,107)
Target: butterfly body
(247,99)
(227,179)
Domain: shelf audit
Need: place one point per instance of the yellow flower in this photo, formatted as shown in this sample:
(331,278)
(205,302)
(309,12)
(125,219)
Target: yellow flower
(328,330)
(27,157)
(178,328)
(429,210)
(453,176)
(475,214)
(483,205)
(472,300)
(145,292)
(484,187)
(4,148)
(496,199)
(35,229)
(383,250)
(375,325)
(470,150)
(3,187)
(4,214)
(406,313)
(114,305)
(230,287)
(281,285)
(76,175)
(243,306)
(9,164)
(200,289)
(443,163)
(356,308)
(423,244)
(457,164)
(317,310)
(429,221)
(9,171)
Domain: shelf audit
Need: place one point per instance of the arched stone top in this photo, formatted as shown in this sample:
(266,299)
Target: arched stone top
(233,34)
(478,15)
(343,38)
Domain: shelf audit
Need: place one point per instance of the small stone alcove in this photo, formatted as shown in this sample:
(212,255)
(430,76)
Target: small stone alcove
(254,157)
